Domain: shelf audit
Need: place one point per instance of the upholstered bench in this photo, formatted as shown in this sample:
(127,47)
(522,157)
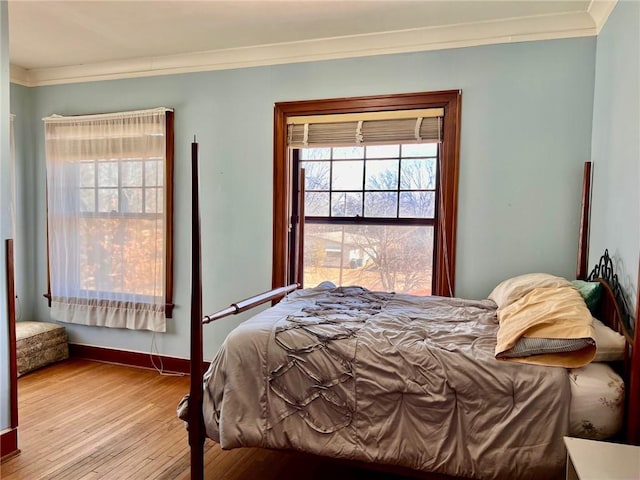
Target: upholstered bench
(39,344)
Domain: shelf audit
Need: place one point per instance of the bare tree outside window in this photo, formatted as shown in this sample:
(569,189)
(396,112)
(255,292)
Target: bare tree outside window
(370,214)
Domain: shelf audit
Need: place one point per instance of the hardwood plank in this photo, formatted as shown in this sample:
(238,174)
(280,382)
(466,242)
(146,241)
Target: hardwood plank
(85,420)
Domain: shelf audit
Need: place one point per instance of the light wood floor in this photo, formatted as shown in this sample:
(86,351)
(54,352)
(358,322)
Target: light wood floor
(88,420)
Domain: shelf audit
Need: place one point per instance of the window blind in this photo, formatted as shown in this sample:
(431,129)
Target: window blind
(370,128)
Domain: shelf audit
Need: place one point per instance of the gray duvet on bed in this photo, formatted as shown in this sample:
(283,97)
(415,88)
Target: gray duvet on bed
(387,378)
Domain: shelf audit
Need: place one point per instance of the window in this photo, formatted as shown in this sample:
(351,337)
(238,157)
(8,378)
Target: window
(369,215)
(375,205)
(109,204)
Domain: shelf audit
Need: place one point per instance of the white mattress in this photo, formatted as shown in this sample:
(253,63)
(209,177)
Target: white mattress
(597,401)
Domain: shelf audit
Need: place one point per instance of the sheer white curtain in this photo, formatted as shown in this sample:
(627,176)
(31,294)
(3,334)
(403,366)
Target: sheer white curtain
(106,218)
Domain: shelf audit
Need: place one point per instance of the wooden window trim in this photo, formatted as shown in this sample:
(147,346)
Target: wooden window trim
(169,159)
(450,100)
(168,187)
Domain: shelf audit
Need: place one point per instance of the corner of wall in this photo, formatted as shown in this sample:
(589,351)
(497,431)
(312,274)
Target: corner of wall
(599,10)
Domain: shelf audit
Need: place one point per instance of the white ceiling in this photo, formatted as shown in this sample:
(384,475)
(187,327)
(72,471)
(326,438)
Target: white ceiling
(70,41)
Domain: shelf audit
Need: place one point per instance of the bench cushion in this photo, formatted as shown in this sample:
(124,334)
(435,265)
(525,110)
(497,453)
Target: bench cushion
(39,344)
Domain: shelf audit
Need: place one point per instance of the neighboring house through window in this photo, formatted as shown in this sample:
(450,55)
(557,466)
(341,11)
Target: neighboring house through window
(365,192)
(109,209)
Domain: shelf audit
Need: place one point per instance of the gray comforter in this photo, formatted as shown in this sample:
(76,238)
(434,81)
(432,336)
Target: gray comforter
(387,378)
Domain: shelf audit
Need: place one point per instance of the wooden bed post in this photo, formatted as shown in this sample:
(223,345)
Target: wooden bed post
(11,306)
(196,421)
(583,241)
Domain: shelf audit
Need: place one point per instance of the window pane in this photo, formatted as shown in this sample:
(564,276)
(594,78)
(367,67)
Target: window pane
(380,257)
(131,200)
(87,200)
(417,204)
(418,174)
(383,151)
(87,174)
(107,174)
(316,204)
(346,204)
(132,174)
(381,175)
(150,200)
(153,200)
(381,204)
(316,175)
(108,200)
(160,200)
(134,268)
(315,153)
(153,175)
(347,175)
(348,152)
(420,150)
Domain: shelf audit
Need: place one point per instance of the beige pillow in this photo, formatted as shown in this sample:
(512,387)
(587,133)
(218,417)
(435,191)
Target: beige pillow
(609,343)
(515,288)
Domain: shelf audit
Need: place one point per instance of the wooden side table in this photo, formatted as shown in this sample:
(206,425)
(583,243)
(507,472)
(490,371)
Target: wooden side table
(594,460)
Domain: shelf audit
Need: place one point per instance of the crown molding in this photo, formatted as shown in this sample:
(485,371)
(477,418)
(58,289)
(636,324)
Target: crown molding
(543,27)
(600,11)
(19,75)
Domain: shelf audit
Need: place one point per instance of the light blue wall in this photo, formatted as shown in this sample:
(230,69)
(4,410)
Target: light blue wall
(526,130)
(24,246)
(616,145)
(5,217)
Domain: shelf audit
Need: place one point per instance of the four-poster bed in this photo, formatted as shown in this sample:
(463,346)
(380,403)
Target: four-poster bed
(353,311)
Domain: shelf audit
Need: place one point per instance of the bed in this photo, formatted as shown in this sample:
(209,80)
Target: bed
(396,380)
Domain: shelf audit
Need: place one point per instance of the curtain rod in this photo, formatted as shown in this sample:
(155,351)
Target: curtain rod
(56,117)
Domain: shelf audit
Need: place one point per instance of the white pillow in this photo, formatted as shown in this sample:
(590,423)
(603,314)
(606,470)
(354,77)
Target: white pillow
(609,343)
(515,288)
(597,402)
